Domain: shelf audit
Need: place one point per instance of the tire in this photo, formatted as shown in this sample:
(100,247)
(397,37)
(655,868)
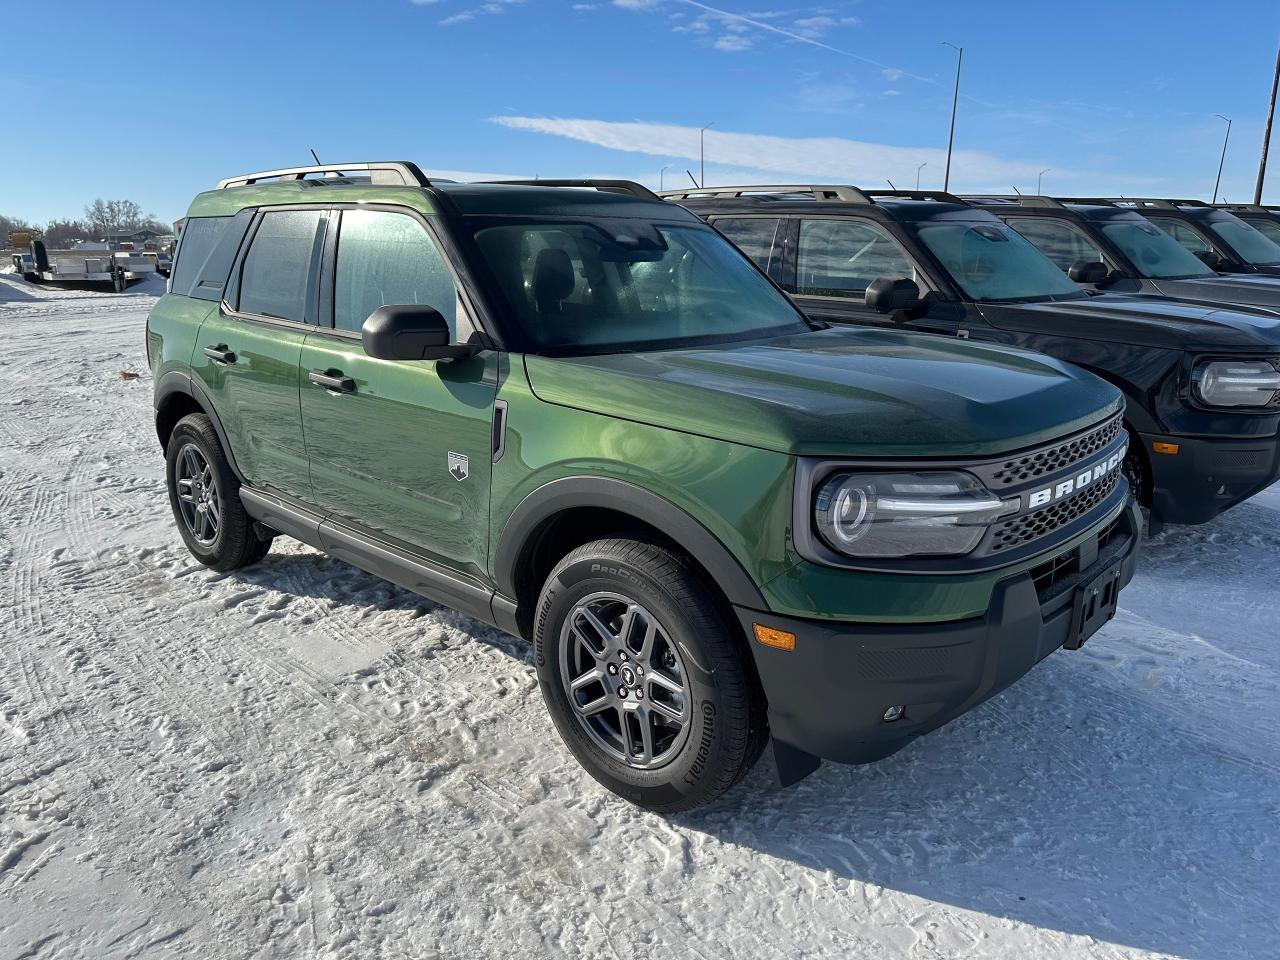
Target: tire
(118,282)
(226,538)
(681,765)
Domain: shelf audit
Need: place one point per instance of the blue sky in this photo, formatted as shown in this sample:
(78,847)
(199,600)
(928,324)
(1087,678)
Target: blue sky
(1112,97)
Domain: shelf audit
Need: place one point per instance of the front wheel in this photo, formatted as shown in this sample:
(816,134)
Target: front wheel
(643,677)
(205,496)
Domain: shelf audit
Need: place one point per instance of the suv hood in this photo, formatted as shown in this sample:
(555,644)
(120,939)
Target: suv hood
(1254,289)
(839,392)
(1147,321)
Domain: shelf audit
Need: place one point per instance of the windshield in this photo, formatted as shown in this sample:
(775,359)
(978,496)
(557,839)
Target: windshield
(1268,226)
(1251,245)
(1154,252)
(622,285)
(992,262)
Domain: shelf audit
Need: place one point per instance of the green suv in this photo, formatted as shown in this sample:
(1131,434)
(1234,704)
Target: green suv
(582,416)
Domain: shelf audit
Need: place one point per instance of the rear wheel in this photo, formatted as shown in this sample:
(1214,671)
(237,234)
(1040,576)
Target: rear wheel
(643,676)
(205,496)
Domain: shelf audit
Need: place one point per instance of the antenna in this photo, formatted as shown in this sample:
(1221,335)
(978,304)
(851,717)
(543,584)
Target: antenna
(890,183)
(692,177)
(1017,191)
(315,158)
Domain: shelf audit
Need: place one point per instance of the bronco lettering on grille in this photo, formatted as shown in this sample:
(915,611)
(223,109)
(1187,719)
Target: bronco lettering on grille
(1077,482)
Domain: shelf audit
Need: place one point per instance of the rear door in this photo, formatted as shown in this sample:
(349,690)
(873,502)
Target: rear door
(401,450)
(248,352)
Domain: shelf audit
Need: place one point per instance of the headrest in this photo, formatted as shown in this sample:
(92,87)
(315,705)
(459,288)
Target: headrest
(553,278)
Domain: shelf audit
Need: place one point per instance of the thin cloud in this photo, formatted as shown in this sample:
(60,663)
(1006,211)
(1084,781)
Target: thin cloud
(821,158)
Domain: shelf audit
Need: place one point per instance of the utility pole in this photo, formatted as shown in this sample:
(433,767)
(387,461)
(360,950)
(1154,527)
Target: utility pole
(1266,135)
(1040,177)
(1223,159)
(702,152)
(660,173)
(918,169)
(955,99)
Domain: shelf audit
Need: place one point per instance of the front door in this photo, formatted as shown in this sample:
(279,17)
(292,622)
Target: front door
(248,352)
(400,449)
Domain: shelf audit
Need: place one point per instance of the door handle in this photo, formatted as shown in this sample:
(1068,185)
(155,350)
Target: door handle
(332,382)
(220,354)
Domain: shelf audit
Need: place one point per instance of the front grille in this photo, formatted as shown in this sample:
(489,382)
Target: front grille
(1020,469)
(1032,526)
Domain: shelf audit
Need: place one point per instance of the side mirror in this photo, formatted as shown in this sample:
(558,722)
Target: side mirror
(887,295)
(1088,271)
(410,332)
(1211,260)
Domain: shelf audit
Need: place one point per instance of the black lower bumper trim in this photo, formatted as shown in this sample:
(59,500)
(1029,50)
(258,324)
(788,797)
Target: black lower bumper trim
(828,696)
(1206,477)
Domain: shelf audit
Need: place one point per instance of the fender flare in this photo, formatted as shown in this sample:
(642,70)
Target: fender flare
(180,382)
(634,501)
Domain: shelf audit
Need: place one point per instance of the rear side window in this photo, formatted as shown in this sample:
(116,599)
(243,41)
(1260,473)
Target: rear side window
(1061,242)
(199,237)
(840,258)
(275,279)
(388,258)
(754,236)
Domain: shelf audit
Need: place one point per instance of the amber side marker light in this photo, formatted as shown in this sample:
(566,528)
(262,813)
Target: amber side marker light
(778,639)
(1158,447)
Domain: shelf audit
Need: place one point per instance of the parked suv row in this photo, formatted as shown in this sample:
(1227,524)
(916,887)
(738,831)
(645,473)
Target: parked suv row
(1201,382)
(575,412)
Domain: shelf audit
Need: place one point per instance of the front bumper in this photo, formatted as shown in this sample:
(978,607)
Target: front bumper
(1206,477)
(827,697)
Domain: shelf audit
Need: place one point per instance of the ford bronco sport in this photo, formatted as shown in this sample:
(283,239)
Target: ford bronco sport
(581,416)
(1219,238)
(1202,383)
(1115,249)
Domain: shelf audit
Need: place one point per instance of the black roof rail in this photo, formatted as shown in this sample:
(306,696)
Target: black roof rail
(1245,207)
(939,196)
(383,173)
(842,193)
(627,187)
(1162,203)
(1033,200)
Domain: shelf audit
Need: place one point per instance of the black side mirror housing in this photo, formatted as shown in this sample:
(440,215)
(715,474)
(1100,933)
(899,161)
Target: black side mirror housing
(410,331)
(1211,260)
(887,295)
(1088,271)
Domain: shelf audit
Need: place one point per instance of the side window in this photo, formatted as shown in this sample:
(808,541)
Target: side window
(754,236)
(199,236)
(389,258)
(839,258)
(278,268)
(1061,242)
(1182,233)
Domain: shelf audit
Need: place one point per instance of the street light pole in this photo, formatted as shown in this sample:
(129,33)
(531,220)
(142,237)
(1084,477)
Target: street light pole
(918,169)
(955,99)
(1039,177)
(1266,134)
(702,152)
(660,180)
(1223,159)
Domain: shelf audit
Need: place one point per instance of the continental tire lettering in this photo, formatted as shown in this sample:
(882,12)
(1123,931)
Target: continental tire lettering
(621,572)
(704,743)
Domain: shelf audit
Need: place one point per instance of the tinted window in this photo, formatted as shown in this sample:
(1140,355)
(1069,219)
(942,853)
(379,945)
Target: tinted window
(630,285)
(388,258)
(838,258)
(1154,252)
(277,270)
(1182,233)
(755,237)
(1269,227)
(991,262)
(211,279)
(199,236)
(1058,240)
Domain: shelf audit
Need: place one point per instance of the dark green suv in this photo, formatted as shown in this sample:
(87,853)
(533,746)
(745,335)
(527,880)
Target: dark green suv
(582,416)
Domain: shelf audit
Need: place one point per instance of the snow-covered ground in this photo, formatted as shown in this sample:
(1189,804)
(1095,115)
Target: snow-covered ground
(300,760)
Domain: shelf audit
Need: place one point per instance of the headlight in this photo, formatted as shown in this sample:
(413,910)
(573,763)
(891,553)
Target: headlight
(904,514)
(1237,383)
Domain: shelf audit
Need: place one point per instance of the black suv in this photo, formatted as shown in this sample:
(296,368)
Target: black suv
(1116,249)
(1221,239)
(1263,218)
(1202,383)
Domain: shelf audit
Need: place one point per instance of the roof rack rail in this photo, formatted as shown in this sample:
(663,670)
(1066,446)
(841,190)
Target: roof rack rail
(626,187)
(383,173)
(1162,203)
(940,196)
(1014,199)
(1244,207)
(839,192)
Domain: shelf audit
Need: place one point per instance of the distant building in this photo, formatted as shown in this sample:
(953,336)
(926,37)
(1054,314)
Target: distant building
(136,236)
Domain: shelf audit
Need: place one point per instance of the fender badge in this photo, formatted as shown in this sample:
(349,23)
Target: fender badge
(459,466)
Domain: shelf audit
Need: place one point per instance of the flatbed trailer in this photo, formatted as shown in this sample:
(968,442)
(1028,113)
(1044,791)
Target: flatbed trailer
(80,265)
